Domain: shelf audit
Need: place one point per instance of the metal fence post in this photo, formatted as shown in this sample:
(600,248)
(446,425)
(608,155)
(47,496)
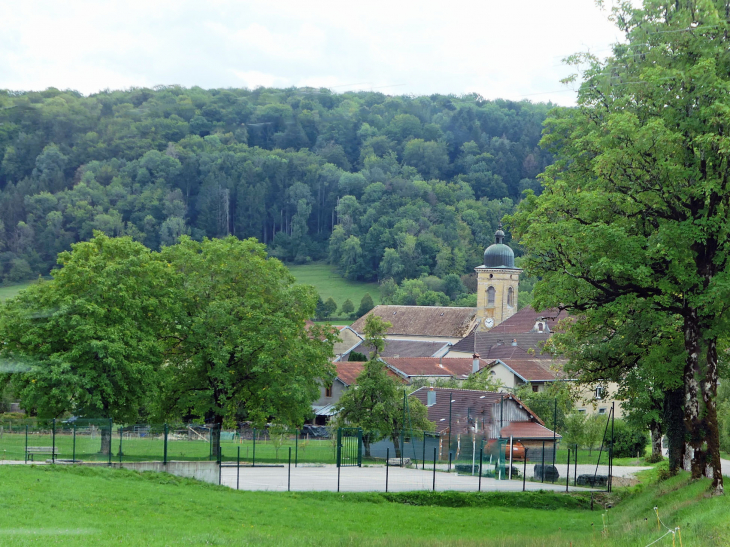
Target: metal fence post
(338,473)
(481,460)
(53,449)
(575,467)
(288,484)
(296,448)
(26,444)
(542,474)
(450,455)
(111,432)
(339,450)
(220,464)
(120,446)
(73,457)
(434,468)
(238,467)
(164,448)
(423,463)
(387,467)
(567,474)
(524,471)
(254,448)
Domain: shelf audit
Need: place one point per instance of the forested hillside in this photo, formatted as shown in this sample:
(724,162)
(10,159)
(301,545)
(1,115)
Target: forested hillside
(385,187)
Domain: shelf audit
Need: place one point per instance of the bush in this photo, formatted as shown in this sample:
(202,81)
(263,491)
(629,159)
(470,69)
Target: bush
(629,442)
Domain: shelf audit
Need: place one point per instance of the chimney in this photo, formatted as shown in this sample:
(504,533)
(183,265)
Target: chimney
(514,341)
(475,363)
(431,397)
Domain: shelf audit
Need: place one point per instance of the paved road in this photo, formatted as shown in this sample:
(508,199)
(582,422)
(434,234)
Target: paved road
(369,479)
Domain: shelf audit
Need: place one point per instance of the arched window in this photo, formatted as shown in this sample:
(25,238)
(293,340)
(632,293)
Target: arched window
(510,297)
(491,293)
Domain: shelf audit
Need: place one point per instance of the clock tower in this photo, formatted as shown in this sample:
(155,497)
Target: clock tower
(497,284)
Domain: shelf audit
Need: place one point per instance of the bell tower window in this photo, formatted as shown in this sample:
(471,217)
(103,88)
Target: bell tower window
(491,293)
(510,297)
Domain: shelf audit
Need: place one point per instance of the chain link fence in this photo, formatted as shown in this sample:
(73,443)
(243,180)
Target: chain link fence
(320,458)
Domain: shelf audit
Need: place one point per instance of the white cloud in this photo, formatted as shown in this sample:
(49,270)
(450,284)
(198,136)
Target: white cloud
(498,49)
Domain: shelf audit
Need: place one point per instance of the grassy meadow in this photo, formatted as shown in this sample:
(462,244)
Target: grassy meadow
(8,291)
(329,283)
(71,505)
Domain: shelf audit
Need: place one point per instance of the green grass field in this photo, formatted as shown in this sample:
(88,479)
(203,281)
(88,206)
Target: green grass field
(71,505)
(87,447)
(330,284)
(8,291)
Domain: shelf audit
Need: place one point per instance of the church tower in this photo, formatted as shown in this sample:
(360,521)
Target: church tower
(497,283)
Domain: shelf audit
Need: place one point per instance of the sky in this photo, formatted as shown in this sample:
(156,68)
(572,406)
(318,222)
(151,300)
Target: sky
(510,50)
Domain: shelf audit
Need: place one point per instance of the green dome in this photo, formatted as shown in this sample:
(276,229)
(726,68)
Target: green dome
(499,255)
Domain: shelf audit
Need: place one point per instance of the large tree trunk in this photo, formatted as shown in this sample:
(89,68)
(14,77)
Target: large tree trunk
(656,441)
(709,394)
(215,437)
(674,426)
(396,445)
(106,440)
(694,459)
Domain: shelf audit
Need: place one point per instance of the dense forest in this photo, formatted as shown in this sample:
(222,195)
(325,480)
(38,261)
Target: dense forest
(384,187)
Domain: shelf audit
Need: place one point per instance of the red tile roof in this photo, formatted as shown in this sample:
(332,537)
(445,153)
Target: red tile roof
(433,366)
(448,322)
(527,430)
(348,371)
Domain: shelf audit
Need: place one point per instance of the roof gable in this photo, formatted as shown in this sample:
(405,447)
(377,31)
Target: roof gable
(447,322)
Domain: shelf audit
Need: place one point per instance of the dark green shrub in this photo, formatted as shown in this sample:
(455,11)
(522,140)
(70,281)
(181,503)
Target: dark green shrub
(628,442)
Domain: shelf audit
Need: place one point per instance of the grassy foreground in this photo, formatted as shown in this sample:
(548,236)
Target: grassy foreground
(61,505)
(331,284)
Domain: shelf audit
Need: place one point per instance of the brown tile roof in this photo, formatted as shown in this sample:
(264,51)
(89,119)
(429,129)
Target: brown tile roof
(528,430)
(439,321)
(348,371)
(495,345)
(535,370)
(433,366)
(526,319)
(403,348)
(468,404)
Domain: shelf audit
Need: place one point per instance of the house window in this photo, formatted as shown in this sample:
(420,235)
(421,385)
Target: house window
(328,391)
(601,410)
(599,392)
(534,388)
(510,297)
(582,410)
(491,293)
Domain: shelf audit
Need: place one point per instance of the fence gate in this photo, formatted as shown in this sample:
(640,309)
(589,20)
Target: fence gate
(349,447)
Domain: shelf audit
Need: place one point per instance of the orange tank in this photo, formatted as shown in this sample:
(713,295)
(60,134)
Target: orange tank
(518,450)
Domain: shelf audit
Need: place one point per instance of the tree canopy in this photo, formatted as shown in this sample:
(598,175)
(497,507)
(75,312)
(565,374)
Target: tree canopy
(634,213)
(310,173)
(213,330)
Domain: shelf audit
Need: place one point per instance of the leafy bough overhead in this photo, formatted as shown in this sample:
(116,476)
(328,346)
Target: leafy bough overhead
(634,213)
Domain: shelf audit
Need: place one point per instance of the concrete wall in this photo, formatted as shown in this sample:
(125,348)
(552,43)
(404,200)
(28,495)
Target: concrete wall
(588,403)
(338,388)
(202,471)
